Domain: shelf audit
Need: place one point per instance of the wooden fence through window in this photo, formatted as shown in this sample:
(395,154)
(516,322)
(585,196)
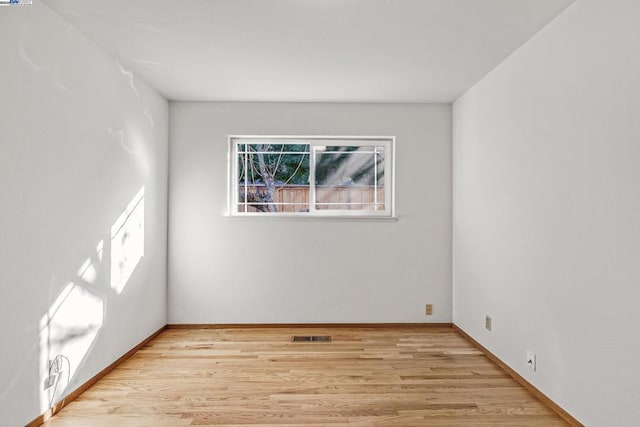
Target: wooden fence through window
(295,198)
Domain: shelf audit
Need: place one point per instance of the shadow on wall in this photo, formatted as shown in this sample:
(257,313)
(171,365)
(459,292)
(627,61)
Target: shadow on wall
(71,326)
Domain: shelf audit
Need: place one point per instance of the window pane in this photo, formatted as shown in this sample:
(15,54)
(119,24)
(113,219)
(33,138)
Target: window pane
(273,177)
(350,178)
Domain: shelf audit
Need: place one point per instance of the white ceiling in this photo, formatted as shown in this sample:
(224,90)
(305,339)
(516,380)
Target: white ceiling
(310,50)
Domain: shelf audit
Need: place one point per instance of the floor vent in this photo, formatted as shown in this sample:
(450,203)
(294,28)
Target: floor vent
(311,338)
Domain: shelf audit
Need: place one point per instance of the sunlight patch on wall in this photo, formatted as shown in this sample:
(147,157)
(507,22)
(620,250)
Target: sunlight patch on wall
(69,327)
(127,242)
(87,271)
(100,249)
(119,135)
(129,75)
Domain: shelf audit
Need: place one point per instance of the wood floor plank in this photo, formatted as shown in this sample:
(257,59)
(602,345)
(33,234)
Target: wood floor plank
(258,377)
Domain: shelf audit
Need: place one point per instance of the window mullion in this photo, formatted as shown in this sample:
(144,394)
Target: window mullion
(389,159)
(246,177)
(375,178)
(312,178)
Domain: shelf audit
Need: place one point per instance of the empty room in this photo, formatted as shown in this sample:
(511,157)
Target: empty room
(319,212)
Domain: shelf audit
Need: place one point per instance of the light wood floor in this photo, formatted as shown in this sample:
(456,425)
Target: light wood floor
(367,376)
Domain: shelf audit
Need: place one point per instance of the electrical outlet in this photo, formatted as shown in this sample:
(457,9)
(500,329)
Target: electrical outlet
(55,370)
(54,366)
(531,360)
(487,323)
(428,310)
(50,381)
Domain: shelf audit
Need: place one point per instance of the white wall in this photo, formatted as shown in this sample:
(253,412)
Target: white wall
(78,139)
(225,270)
(546,220)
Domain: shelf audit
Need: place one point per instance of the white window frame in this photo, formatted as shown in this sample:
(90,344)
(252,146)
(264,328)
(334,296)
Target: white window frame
(314,141)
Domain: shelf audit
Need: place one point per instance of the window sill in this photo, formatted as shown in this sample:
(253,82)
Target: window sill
(285,217)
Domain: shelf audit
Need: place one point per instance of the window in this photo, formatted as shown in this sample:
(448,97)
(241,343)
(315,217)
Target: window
(311,176)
